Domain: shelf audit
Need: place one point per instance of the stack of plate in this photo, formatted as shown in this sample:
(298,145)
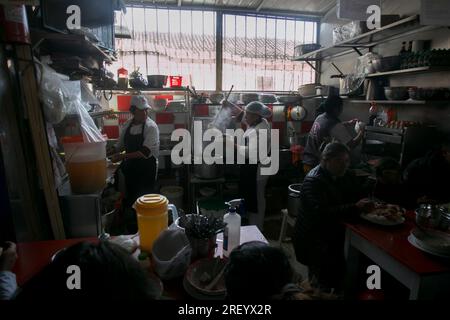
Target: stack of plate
(433,242)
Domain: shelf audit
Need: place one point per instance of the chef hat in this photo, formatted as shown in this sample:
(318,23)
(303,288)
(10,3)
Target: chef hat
(140,102)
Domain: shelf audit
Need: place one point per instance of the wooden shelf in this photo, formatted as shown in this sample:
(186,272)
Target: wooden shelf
(408,71)
(396,30)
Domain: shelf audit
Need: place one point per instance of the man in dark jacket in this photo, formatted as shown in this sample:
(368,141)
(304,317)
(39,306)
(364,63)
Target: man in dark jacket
(329,195)
(428,178)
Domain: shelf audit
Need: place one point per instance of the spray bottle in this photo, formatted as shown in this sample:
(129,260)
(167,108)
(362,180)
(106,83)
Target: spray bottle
(232,231)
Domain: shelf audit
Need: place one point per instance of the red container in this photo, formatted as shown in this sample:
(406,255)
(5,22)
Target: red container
(13,21)
(111,131)
(123,103)
(175,81)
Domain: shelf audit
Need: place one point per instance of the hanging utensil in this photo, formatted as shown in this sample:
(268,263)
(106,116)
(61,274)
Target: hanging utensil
(214,122)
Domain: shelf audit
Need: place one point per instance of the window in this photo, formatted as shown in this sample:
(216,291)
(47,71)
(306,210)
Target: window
(257,50)
(171,42)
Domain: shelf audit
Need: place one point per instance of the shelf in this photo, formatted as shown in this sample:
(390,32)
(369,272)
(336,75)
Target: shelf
(101,113)
(156,90)
(389,101)
(401,28)
(73,44)
(408,71)
(401,102)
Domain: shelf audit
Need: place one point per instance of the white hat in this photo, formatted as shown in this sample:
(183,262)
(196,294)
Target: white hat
(140,102)
(258,108)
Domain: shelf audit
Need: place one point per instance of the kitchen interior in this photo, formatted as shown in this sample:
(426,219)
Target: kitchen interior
(66,96)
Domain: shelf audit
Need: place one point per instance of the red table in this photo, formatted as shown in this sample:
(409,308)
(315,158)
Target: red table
(425,275)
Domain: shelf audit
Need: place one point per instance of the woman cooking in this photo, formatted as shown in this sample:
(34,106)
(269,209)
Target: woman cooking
(252,184)
(139,138)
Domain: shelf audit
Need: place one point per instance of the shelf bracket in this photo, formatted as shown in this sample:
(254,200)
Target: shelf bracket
(357,51)
(312,66)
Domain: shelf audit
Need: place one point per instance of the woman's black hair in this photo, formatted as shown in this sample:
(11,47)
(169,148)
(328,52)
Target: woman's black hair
(333,150)
(132,109)
(107,272)
(333,104)
(255,271)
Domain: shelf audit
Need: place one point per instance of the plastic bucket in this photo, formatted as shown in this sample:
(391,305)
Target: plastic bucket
(175,81)
(85,164)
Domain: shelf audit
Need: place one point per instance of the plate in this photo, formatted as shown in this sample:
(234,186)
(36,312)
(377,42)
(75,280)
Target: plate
(433,241)
(380,220)
(56,254)
(414,242)
(198,295)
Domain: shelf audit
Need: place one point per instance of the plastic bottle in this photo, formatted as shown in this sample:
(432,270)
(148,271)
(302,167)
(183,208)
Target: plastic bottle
(232,231)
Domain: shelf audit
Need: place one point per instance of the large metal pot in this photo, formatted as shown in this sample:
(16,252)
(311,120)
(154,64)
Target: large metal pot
(294,199)
(207,171)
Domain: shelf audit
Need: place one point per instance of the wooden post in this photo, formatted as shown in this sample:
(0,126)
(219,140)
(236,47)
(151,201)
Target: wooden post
(30,95)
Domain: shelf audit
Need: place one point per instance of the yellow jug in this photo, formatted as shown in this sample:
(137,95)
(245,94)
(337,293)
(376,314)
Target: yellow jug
(152,218)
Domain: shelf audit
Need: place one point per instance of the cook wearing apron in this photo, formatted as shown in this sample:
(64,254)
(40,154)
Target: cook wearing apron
(139,139)
(252,184)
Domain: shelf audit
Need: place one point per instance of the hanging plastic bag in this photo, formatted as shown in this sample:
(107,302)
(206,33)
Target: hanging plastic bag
(59,99)
(52,93)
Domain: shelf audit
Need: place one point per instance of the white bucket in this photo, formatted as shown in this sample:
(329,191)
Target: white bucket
(174,194)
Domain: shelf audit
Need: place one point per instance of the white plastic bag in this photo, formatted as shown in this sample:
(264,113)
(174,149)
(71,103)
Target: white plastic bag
(53,94)
(171,253)
(59,99)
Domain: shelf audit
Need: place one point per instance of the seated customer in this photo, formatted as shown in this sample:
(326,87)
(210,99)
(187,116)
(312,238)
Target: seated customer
(107,272)
(329,195)
(257,271)
(427,178)
(8,284)
(389,187)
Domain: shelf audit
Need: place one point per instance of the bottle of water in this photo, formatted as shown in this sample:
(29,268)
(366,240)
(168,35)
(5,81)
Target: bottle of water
(232,231)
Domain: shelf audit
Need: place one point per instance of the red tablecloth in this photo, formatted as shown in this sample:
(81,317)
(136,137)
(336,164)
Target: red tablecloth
(394,241)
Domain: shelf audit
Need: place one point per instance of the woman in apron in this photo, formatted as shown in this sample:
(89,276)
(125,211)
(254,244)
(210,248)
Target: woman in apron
(139,139)
(252,184)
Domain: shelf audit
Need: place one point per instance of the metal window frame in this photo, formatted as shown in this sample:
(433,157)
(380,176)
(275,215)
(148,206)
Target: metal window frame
(221,14)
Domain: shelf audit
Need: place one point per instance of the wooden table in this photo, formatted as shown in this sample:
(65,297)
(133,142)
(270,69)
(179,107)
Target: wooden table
(34,256)
(426,276)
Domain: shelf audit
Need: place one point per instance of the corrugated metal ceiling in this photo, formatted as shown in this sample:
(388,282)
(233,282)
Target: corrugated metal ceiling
(314,7)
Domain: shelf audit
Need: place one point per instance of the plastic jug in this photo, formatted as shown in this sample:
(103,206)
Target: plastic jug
(152,218)
(85,163)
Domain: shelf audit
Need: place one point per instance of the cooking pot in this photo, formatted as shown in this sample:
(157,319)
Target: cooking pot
(294,199)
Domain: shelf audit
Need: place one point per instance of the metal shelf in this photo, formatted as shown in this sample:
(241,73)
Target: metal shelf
(156,90)
(408,71)
(403,102)
(401,28)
